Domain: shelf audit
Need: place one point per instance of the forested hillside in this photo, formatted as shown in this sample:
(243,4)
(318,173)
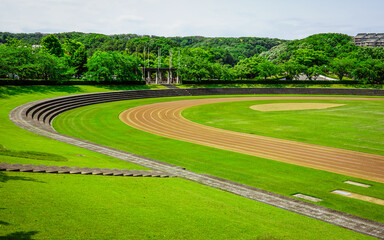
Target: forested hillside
(329,53)
(228,50)
(99,57)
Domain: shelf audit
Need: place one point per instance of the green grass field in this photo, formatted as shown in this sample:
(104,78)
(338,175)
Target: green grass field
(50,206)
(269,175)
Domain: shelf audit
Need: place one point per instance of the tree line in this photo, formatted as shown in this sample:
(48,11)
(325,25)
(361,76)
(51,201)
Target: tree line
(94,57)
(53,60)
(230,50)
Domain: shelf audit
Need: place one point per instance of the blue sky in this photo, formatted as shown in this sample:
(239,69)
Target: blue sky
(293,19)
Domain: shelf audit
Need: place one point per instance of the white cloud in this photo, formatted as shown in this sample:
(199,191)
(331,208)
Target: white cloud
(266,18)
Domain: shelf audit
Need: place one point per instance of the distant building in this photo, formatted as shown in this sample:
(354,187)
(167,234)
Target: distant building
(36,46)
(370,39)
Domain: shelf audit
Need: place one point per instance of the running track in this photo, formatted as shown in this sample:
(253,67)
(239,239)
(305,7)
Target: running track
(165,119)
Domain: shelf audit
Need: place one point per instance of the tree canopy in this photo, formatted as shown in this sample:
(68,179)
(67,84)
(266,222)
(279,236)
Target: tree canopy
(52,45)
(119,57)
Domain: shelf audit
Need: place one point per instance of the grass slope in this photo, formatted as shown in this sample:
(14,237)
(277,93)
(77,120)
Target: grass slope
(20,146)
(102,121)
(50,206)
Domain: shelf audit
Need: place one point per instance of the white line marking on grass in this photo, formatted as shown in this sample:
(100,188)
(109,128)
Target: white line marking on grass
(342,192)
(360,197)
(358,184)
(306,197)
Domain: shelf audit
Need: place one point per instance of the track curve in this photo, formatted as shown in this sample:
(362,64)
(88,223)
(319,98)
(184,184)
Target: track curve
(165,119)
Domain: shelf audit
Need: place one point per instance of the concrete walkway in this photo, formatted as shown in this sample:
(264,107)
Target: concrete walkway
(169,86)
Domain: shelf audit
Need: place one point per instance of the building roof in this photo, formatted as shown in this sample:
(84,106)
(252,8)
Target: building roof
(369,39)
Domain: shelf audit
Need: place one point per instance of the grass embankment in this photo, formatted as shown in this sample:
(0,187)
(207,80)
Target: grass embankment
(51,206)
(282,85)
(270,175)
(4,152)
(20,146)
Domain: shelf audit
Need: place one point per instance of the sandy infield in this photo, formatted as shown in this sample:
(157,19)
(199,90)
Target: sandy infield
(165,119)
(272,107)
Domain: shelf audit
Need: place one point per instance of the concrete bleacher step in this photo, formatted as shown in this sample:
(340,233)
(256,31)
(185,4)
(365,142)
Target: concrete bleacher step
(82,171)
(45,112)
(170,86)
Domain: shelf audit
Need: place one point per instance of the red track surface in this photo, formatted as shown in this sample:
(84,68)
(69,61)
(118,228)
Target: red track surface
(165,119)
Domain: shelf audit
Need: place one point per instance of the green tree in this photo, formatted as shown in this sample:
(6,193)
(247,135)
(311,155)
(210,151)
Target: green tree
(113,66)
(14,42)
(292,69)
(16,59)
(196,64)
(50,67)
(220,72)
(79,61)
(310,57)
(364,72)
(71,46)
(76,56)
(370,71)
(247,68)
(52,45)
(313,72)
(153,44)
(379,69)
(5,61)
(312,61)
(267,69)
(342,67)
(332,44)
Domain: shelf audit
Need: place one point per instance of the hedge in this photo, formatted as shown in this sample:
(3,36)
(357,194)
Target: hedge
(348,82)
(42,82)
